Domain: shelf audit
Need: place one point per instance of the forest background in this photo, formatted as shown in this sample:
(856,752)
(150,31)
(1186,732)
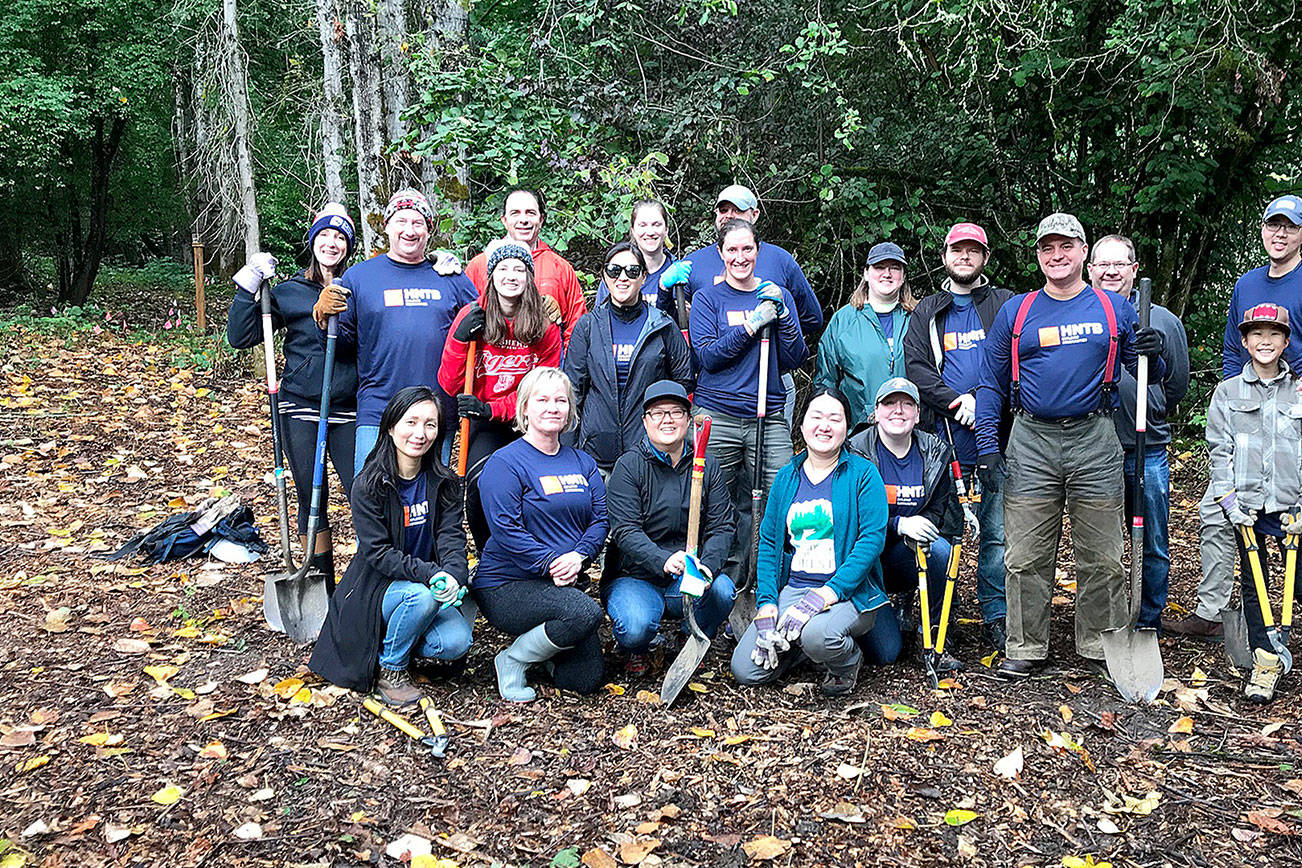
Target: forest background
(130,128)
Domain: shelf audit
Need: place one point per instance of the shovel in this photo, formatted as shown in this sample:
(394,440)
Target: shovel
(1133,657)
(924,605)
(296,600)
(743,610)
(694,650)
(1278,642)
(1238,649)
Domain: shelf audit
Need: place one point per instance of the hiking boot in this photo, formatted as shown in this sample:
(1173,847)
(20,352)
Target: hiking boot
(1266,672)
(637,665)
(994,634)
(946,663)
(1195,627)
(1012,670)
(839,685)
(394,688)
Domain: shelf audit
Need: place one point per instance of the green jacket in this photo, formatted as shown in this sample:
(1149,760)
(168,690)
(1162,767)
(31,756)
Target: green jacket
(853,356)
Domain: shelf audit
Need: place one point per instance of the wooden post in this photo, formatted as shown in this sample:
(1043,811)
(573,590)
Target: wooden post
(199,306)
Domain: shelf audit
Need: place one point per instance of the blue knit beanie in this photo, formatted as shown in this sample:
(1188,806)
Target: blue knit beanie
(333,216)
(508,250)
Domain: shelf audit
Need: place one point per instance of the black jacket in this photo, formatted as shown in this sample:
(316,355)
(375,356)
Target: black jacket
(941,506)
(347,652)
(291,310)
(648,502)
(924,354)
(610,423)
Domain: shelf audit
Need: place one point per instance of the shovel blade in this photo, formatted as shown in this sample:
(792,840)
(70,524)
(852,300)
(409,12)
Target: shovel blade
(684,666)
(271,605)
(742,614)
(1134,662)
(302,603)
(1237,647)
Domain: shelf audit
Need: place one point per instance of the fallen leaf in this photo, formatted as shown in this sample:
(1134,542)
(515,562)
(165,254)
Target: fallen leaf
(614,690)
(257,676)
(896,711)
(1183,726)
(140,625)
(848,772)
(213,750)
(248,832)
(1131,805)
(32,764)
(578,786)
(846,812)
(521,756)
(648,698)
(131,646)
(938,719)
(650,827)
(56,620)
(1271,728)
(702,732)
(766,847)
(1011,765)
(903,822)
(160,674)
(287,688)
(168,795)
(262,795)
(633,852)
(966,848)
(113,834)
(1066,712)
(431,861)
(626,738)
(101,739)
(959,817)
(918,733)
(1107,827)
(697,687)
(596,858)
(1198,679)
(409,846)
(1263,820)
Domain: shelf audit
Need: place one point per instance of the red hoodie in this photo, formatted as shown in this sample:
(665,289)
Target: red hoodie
(498,368)
(553,276)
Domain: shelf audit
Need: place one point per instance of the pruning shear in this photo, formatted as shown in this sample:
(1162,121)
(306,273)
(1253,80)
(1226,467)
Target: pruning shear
(436,739)
(967,497)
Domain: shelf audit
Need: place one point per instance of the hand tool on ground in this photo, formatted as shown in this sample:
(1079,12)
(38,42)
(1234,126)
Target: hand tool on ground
(436,746)
(468,387)
(296,600)
(697,644)
(1277,641)
(1238,649)
(743,609)
(924,607)
(1133,656)
(438,734)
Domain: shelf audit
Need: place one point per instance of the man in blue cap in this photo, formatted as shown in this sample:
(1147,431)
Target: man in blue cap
(1053,356)
(1279,281)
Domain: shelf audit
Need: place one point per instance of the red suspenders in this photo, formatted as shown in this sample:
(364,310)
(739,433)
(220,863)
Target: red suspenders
(1109,367)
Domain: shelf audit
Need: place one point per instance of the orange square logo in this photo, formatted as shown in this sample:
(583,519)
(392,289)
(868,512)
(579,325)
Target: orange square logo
(951,340)
(892,491)
(550,484)
(1049,336)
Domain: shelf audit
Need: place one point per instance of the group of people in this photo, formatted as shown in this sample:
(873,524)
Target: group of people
(578,449)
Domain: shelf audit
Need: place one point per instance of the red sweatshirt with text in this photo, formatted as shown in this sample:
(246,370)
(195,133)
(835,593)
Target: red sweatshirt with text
(499,368)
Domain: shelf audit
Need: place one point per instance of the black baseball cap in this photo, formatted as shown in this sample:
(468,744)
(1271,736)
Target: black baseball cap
(665,390)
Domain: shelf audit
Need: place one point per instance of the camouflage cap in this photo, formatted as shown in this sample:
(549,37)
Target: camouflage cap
(1060,224)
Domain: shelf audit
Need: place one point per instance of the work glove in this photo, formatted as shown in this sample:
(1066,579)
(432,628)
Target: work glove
(769,643)
(470,407)
(676,274)
(1230,504)
(769,291)
(447,590)
(917,528)
(260,267)
(990,470)
(552,308)
(471,325)
(445,262)
(797,615)
(676,563)
(332,301)
(1291,523)
(763,314)
(1149,341)
(964,407)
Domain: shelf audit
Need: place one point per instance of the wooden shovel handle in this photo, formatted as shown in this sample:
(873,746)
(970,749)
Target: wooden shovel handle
(698,484)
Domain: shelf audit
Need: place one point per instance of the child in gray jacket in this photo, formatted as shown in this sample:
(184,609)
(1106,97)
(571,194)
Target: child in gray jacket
(1254,431)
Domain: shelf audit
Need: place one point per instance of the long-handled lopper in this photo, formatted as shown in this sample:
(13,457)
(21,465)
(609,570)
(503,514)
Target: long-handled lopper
(436,740)
(951,577)
(1290,575)
(924,605)
(694,650)
(743,610)
(1133,656)
(295,601)
(968,495)
(1278,639)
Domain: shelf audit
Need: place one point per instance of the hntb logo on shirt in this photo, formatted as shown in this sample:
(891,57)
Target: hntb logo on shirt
(414,515)
(568,482)
(412,296)
(1070,333)
(964,340)
(904,494)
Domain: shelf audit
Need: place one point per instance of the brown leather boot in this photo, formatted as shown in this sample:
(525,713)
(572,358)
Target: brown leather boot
(394,688)
(1194,626)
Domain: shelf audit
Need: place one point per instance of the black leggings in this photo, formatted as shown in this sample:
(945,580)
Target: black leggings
(1257,636)
(300,452)
(570,618)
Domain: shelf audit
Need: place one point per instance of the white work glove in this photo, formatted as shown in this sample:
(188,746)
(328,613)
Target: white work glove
(964,407)
(676,563)
(447,590)
(445,262)
(917,528)
(769,643)
(763,314)
(1230,504)
(1294,526)
(260,267)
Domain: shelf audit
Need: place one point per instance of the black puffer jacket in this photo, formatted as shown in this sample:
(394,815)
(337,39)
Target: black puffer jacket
(347,652)
(941,506)
(291,310)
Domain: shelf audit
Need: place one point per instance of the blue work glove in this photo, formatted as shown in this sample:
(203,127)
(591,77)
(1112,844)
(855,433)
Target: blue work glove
(797,615)
(676,274)
(769,291)
(769,643)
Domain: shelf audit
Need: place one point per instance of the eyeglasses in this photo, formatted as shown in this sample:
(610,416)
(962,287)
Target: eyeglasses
(673,414)
(1281,226)
(613,271)
(1111,266)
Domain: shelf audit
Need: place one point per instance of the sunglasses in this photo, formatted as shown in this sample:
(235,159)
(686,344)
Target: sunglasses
(632,271)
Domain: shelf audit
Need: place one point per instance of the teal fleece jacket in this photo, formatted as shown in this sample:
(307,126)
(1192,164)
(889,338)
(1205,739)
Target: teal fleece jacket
(859,515)
(854,356)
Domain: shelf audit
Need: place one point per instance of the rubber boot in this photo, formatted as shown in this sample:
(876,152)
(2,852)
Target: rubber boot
(511,663)
(324,562)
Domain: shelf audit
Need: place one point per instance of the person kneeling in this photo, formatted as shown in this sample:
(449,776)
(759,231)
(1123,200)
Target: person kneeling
(398,600)
(914,465)
(819,583)
(648,495)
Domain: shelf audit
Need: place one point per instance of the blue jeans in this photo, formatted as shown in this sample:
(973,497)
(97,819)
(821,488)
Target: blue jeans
(414,622)
(1157,514)
(882,644)
(367,435)
(991,574)
(636,607)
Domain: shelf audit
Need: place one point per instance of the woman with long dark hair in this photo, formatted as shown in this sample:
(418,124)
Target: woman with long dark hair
(330,241)
(617,350)
(398,601)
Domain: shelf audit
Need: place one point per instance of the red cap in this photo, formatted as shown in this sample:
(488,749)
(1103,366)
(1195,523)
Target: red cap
(966,232)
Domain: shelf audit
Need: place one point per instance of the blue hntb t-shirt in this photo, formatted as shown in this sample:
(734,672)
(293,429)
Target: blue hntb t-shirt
(772,263)
(398,318)
(538,507)
(905,481)
(1254,288)
(417,537)
(624,335)
(961,344)
(809,530)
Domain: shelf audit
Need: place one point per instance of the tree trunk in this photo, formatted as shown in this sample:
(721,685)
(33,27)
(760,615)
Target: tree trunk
(363,66)
(238,93)
(449,24)
(332,105)
(104,149)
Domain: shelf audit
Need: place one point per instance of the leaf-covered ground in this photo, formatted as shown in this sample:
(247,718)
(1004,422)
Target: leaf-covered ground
(147,716)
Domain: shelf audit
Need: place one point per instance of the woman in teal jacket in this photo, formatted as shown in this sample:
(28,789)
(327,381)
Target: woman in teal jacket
(863,346)
(819,582)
